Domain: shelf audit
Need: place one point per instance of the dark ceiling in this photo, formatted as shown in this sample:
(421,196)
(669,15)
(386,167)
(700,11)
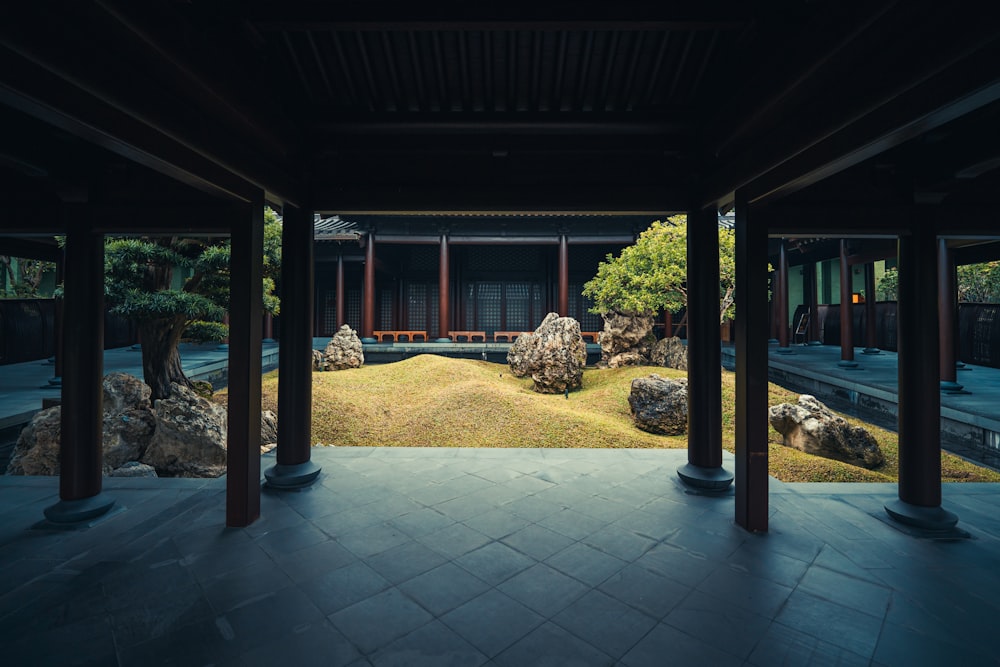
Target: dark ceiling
(600,107)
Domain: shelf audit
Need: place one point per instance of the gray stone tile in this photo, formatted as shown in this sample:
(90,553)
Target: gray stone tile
(664,643)
(746,591)
(405,561)
(726,628)
(379,620)
(759,561)
(347,521)
(291,539)
(606,622)
(268,618)
(647,591)
(366,542)
(454,540)
(689,568)
(497,523)
(537,542)
(782,645)
(343,587)
(465,507)
(444,588)
(585,563)
(898,645)
(238,587)
(492,622)
(532,508)
(311,562)
(551,646)
(623,544)
(432,645)
(317,645)
(856,631)
(543,589)
(856,594)
(494,563)
(572,524)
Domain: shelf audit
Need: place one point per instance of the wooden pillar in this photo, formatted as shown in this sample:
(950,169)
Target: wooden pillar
(339,292)
(444,291)
(563,276)
(846,312)
(368,305)
(246,268)
(294,467)
(815,335)
(81,423)
(871,311)
(57,324)
(947,316)
(268,332)
(781,313)
(704,467)
(919,414)
(751,369)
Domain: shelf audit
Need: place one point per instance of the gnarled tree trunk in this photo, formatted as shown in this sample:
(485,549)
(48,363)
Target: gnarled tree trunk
(161,361)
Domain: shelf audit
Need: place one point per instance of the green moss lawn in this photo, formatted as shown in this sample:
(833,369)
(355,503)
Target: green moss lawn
(433,401)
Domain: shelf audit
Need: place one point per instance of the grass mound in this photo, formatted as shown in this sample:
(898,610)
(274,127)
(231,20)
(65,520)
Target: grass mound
(433,401)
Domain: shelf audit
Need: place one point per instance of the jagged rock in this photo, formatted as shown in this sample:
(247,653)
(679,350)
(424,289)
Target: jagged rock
(344,350)
(553,355)
(268,427)
(627,339)
(319,361)
(127,428)
(670,352)
(37,448)
(659,405)
(811,427)
(134,469)
(190,437)
(203,388)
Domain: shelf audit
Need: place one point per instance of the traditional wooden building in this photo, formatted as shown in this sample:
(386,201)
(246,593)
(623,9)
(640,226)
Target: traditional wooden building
(811,119)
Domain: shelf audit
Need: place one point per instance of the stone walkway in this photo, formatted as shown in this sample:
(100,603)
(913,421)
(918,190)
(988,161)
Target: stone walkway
(403,556)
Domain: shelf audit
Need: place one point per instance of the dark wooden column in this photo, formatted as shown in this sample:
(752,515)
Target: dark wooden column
(294,467)
(751,369)
(563,276)
(246,268)
(444,292)
(704,467)
(339,292)
(781,313)
(947,320)
(846,312)
(55,381)
(268,331)
(919,412)
(871,311)
(80,496)
(815,335)
(368,304)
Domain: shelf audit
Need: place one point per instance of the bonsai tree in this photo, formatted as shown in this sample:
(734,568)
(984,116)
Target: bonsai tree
(651,275)
(177,289)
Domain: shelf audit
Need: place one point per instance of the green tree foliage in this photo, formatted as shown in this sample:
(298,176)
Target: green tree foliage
(140,285)
(977,283)
(651,275)
(23,276)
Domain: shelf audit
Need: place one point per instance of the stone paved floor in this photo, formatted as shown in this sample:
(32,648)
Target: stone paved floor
(499,557)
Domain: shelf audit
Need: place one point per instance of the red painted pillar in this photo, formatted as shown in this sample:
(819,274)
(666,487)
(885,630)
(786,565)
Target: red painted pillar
(339,292)
(368,308)
(268,328)
(563,276)
(846,312)
(919,414)
(815,335)
(704,467)
(246,267)
(871,311)
(81,422)
(444,292)
(294,468)
(947,316)
(751,369)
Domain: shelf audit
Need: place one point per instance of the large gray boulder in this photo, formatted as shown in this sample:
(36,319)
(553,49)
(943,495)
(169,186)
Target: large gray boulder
(627,339)
(190,437)
(811,427)
(127,428)
(344,350)
(554,355)
(670,352)
(659,404)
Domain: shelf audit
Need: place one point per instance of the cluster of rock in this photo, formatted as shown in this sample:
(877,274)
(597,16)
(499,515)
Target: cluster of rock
(553,356)
(659,404)
(811,427)
(183,435)
(628,340)
(342,352)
